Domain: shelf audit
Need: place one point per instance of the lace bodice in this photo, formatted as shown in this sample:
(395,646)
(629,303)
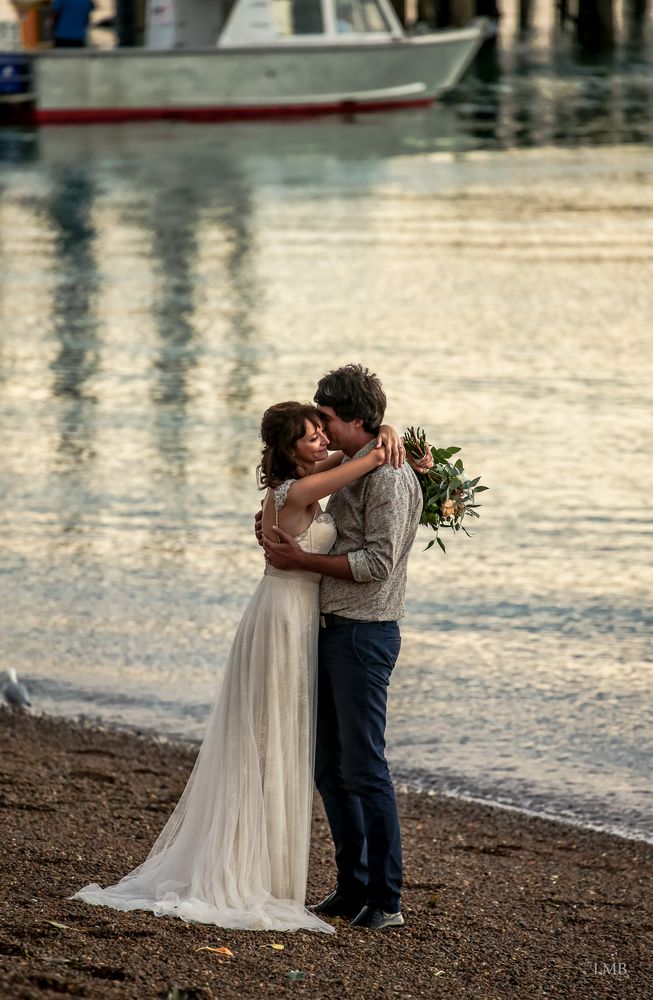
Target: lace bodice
(320,534)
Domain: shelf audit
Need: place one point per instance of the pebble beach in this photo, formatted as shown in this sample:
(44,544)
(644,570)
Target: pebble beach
(498,905)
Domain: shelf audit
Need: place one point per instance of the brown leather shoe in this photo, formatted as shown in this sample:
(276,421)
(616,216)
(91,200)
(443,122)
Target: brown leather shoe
(335,905)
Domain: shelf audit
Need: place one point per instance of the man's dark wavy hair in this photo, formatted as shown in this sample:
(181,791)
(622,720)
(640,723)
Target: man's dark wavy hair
(354,393)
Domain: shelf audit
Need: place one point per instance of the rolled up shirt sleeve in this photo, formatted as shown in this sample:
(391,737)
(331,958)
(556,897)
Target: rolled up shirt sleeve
(385,528)
(359,567)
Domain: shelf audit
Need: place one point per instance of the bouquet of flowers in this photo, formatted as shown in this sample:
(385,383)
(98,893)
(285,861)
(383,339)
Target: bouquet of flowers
(447,491)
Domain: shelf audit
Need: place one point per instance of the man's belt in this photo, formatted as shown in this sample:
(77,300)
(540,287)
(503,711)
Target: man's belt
(330,621)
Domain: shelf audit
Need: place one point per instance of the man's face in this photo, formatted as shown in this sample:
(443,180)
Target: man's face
(341,433)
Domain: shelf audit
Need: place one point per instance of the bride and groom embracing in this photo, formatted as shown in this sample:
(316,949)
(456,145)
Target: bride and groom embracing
(305,688)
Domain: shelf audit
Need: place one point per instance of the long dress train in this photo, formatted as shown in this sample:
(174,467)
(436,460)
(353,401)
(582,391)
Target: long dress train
(235,850)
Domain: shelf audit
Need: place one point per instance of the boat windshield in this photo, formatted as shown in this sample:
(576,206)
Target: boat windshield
(306,17)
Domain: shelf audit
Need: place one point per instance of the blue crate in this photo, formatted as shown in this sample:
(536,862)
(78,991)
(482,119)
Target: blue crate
(14,73)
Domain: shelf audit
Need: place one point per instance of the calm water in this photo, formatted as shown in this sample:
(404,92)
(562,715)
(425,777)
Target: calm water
(491,259)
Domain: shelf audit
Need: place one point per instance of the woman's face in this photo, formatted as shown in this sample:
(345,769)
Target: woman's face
(312,447)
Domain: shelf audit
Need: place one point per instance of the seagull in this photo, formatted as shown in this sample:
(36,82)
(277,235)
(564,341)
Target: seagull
(14,692)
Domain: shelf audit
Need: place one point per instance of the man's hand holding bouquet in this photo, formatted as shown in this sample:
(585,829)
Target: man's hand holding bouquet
(447,491)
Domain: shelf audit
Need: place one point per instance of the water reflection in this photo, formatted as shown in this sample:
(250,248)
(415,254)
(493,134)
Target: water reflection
(541,90)
(173,225)
(74,328)
(637,107)
(245,297)
(246,300)
(17,145)
(636,30)
(70,208)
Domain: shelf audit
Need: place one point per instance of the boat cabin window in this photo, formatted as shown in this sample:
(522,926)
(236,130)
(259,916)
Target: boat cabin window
(360,16)
(298,17)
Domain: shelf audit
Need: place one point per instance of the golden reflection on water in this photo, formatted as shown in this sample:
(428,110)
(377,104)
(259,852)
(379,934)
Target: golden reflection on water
(149,315)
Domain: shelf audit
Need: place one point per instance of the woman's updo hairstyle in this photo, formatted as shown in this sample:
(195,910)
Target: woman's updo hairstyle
(282,425)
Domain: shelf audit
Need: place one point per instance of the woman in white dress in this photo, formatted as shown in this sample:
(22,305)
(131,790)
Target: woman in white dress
(235,850)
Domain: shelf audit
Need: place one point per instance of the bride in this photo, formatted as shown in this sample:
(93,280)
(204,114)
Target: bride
(235,849)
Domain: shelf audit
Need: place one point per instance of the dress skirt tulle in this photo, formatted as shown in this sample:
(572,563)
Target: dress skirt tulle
(235,850)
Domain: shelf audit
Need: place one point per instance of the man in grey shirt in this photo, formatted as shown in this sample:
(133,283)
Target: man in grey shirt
(362,596)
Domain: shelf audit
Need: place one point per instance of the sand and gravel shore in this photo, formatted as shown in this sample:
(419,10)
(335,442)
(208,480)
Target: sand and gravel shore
(498,905)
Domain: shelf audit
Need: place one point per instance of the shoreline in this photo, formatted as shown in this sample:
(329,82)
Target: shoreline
(498,904)
(577,824)
(403,784)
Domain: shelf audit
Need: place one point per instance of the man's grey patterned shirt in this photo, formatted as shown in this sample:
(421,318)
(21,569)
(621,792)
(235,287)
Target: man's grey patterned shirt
(376,517)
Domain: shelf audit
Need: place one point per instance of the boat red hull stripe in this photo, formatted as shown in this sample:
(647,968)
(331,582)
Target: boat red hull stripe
(81,116)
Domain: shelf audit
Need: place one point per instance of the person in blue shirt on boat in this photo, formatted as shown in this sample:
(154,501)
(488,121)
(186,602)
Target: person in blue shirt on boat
(71,18)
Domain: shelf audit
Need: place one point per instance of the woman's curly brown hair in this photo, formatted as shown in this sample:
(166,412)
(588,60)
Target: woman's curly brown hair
(282,425)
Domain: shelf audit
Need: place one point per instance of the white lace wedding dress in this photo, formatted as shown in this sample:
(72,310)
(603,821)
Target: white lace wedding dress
(235,850)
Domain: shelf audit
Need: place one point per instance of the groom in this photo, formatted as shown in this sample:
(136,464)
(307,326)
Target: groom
(361,598)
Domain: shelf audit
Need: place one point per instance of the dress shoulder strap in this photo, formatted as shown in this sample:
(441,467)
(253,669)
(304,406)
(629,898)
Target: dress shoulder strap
(280,497)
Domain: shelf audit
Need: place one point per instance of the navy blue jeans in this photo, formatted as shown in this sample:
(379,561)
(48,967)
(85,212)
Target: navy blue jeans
(354,667)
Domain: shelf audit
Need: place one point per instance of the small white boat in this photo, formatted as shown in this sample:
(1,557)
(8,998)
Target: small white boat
(216,59)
